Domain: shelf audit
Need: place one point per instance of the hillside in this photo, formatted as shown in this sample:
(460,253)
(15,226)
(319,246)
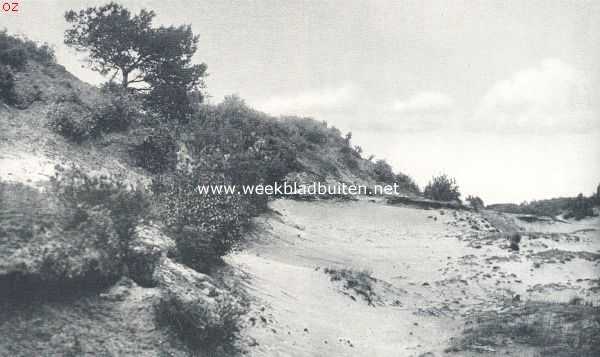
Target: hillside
(107,249)
(76,269)
(320,153)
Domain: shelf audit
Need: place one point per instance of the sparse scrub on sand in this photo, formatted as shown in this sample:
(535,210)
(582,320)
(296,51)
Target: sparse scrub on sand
(359,281)
(552,329)
(442,188)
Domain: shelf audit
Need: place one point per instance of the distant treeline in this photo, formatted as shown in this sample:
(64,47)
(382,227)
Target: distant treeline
(570,207)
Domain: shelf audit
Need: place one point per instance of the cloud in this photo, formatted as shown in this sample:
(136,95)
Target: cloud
(422,111)
(312,102)
(551,96)
(423,102)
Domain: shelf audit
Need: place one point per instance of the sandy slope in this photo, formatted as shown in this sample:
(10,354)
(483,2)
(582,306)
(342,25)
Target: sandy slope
(433,269)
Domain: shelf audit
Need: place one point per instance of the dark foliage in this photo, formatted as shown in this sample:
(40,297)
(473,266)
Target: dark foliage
(157,153)
(442,188)
(153,60)
(383,171)
(7,85)
(77,121)
(572,207)
(580,207)
(117,110)
(73,120)
(74,233)
(15,51)
(205,226)
(246,146)
(80,192)
(475,202)
(14,54)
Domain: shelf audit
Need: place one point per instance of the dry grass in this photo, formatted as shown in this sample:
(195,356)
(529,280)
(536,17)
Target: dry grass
(548,328)
(359,281)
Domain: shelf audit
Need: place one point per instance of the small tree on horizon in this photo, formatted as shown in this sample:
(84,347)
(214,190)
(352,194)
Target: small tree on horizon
(442,188)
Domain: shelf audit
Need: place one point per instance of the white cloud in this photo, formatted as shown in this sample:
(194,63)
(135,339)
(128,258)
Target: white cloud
(422,111)
(312,102)
(423,102)
(551,96)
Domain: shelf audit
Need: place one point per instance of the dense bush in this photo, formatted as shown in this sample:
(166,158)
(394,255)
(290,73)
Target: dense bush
(246,146)
(73,120)
(157,152)
(205,316)
(572,207)
(580,207)
(117,110)
(125,205)
(228,144)
(15,51)
(77,121)
(383,171)
(76,231)
(205,226)
(406,183)
(442,188)
(171,102)
(14,57)
(475,202)
(14,54)
(7,84)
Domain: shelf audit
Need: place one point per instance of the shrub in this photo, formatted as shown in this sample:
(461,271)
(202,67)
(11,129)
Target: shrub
(205,226)
(157,153)
(515,240)
(475,202)
(383,171)
(246,146)
(77,121)
(124,205)
(171,101)
(7,85)
(359,281)
(580,207)
(406,183)
(14,57)
(442,188)
(76,231)
(74,121)
(117,111)
(15,51)
(205,316)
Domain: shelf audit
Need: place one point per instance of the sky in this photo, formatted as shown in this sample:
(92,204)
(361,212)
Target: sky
(502,95)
